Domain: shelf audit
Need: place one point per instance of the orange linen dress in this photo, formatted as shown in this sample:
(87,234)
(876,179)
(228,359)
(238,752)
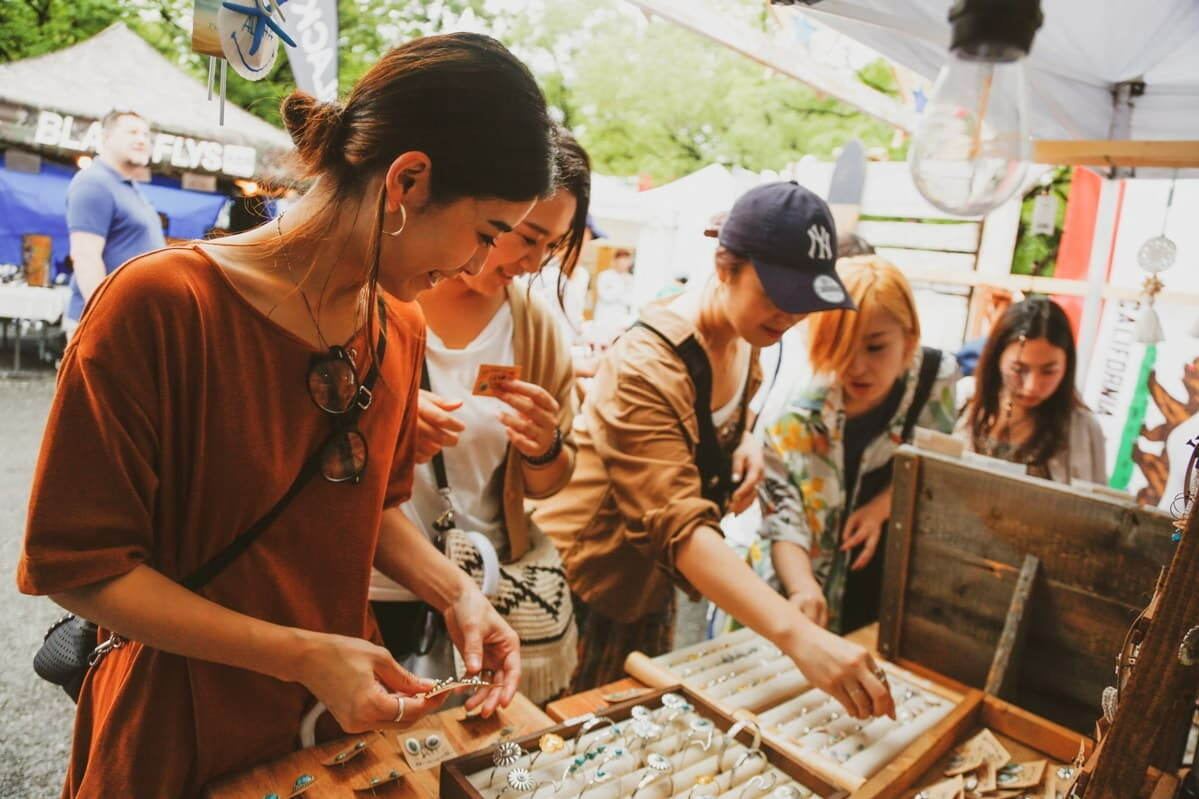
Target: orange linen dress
(182,414)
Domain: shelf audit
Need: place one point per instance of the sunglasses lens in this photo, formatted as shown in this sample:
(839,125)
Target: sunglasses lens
(344,457)
(333,384)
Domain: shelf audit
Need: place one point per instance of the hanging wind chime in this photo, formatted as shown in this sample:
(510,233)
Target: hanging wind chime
(1156,255)
(241,33)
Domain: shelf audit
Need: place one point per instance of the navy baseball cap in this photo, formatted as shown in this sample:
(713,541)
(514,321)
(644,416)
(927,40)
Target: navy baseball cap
(787,232)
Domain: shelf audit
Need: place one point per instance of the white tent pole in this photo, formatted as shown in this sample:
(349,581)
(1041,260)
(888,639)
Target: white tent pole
(1102,243)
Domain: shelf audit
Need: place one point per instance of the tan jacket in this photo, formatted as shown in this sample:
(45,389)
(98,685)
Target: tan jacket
(636,492)
(544,358)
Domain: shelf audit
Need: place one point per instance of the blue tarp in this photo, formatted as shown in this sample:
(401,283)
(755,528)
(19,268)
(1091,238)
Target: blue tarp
(38,203)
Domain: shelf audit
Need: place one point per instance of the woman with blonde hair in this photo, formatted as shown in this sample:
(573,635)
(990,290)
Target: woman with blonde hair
(829,452)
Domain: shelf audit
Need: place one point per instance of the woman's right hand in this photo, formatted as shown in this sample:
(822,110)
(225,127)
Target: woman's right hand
(361,684)
(435,428)
(843,670)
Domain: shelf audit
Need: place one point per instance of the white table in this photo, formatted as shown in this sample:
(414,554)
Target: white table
(21,302)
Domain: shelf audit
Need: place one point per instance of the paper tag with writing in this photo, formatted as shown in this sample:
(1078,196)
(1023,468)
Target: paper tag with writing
(1024,775)
(950,789)
(1044,214)
(987,745)
(491,378)
(415,746)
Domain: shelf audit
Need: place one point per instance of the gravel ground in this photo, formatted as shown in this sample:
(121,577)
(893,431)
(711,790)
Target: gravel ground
(35,717)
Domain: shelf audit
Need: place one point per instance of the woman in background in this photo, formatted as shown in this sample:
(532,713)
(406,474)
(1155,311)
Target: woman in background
(1025,407)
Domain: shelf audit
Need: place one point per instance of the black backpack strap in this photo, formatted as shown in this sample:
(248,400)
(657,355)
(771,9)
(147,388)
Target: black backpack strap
(929,367)
(715,466)
(215,565)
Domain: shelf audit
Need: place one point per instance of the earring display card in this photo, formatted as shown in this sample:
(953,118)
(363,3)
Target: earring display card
(661,745)
(415,746)
(741,672)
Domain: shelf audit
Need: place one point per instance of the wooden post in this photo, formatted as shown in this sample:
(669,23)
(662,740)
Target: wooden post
(1159,682)
(1005,665)
(899,550)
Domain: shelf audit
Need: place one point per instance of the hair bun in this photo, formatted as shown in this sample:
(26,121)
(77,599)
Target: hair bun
(315,128)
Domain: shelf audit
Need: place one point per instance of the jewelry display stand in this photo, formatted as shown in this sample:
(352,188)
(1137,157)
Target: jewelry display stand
(742,672)
(664,745)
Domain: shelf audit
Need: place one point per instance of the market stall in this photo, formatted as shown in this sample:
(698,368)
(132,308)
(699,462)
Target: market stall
(50,128)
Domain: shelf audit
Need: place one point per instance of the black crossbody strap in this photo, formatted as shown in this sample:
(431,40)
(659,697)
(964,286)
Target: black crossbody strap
(443,482)
(215,565)
(929,367)
(714,464)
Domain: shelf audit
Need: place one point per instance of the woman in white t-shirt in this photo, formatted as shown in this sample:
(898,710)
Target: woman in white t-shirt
(497,450)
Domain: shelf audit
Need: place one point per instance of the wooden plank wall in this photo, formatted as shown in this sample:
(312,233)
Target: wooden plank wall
(971,528)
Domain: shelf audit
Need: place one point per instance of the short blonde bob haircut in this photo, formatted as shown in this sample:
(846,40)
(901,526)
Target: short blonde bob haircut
(874,283)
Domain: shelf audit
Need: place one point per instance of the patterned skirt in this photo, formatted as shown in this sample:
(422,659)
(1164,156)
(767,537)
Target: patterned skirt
(604,644)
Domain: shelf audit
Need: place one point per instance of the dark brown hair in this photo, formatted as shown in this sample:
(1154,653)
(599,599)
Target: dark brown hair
(462,99)
(1034,318)
(573,174)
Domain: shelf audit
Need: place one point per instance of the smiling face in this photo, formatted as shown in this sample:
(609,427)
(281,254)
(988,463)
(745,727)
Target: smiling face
(444,241)
(523,251)
(1032,371)
(881,354)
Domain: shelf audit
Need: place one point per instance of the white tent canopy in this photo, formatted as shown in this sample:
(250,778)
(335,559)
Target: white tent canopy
(1084,49)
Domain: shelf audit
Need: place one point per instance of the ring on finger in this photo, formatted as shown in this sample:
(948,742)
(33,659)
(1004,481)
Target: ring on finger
(399,709)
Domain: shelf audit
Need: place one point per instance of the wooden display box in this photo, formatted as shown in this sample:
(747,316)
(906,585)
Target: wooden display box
(1020,587)
(454,774)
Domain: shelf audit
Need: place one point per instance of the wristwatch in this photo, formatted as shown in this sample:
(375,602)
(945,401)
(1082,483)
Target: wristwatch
(549,456)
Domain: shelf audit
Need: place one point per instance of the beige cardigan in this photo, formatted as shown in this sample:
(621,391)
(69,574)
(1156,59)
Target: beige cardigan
(1084,456)
(544,358)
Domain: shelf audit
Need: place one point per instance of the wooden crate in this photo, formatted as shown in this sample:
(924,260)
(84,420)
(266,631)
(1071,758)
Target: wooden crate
(454,774)
(959,539)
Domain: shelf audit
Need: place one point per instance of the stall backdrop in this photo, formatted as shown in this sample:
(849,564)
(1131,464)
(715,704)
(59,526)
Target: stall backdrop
(36,203)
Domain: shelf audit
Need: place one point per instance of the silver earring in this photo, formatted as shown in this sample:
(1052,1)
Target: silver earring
(403,222)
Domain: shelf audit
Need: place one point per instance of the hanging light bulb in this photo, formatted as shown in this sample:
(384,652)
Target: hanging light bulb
(971,148)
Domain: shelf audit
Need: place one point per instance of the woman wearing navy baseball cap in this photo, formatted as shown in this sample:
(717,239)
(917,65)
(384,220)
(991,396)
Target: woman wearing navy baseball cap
(665,450)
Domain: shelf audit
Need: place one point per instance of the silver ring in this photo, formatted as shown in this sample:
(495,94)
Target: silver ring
(588,726)
(400,709)
(599,778)
(747,755)
(659,767)
(758,781)
(731,735)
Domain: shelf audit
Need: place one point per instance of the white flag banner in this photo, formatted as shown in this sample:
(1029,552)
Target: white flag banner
(313,24)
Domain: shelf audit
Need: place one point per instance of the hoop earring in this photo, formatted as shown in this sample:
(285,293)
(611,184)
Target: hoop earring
(403,222)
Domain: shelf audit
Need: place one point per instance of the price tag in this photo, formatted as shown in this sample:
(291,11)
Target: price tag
(1044,214)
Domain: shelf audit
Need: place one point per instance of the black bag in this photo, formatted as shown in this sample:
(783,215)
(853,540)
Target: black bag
(70,647)
(714,464)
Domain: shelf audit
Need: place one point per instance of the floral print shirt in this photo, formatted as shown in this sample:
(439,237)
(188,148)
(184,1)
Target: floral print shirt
(804,491)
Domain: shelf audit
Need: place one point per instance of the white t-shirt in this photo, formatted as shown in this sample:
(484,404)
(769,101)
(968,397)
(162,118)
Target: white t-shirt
(475,467)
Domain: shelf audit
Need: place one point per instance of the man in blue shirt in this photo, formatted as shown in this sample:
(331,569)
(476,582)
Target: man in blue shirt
(109,219)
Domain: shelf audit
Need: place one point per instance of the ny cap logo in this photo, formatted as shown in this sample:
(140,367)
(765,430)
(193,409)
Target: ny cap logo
(821,242)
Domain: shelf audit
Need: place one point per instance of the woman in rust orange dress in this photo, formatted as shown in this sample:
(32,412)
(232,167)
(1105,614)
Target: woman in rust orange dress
(198,384)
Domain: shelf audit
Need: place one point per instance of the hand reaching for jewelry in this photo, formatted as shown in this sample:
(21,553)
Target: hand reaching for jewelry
(361,684)
(435,428)
(843,670)
(487,643)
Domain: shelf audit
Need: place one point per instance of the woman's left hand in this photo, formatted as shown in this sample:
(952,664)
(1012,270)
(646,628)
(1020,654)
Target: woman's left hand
(864,528)
(489,647)
(531,429)
(749,467)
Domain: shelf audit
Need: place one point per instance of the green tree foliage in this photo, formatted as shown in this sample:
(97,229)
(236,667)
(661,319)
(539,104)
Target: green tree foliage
(645,97)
